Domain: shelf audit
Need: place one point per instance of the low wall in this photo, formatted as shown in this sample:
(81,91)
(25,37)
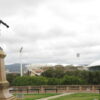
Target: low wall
(55,88)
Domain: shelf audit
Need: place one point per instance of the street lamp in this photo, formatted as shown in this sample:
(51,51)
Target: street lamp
(78,56)
(21,66)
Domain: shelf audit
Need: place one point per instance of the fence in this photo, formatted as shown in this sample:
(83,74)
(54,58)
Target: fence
(55,88)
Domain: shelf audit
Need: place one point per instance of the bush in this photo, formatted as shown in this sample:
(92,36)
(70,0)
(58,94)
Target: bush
(72,80)
(26,80)
(11,77)
(54,81)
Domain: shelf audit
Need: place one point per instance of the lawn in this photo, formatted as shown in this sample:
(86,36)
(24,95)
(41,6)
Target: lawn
(80,96)
(37,96)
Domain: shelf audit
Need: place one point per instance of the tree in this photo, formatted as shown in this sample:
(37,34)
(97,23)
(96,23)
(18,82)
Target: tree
(54,81)
(49,73)
(54,73)
(72,80)
(27,80)
(11,77)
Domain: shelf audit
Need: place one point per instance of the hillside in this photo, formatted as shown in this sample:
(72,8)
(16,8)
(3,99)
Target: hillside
(15,67)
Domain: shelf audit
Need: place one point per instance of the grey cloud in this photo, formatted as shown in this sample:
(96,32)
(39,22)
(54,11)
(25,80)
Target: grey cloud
(10,7)
(51,33)
(81,1)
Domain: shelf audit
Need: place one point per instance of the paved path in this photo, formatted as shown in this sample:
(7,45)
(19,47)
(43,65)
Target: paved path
(52,97)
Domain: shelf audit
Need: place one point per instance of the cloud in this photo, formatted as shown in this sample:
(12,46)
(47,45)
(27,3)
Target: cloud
(51,31)
(11,7)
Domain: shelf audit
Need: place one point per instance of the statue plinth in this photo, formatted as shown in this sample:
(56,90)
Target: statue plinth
(4,85)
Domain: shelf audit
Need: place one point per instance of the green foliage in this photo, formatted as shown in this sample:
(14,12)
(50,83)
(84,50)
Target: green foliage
(38,80)
(11,77)
(49,73)
(72,80)
(54,73)
(86,77)
(54,81)
(26,80)
(58,76)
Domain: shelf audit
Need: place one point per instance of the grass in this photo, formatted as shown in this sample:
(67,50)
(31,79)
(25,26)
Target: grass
(37,96)
(80,96)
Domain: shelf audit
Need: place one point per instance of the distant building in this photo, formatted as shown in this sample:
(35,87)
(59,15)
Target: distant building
(34,70)
(82,68)
(95,66)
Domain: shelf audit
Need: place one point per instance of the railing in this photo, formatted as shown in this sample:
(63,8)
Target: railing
(55,88)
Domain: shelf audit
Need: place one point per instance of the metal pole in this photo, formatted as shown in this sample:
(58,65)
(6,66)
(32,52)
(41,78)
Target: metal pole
(21,69)
(21,65)
(78,56)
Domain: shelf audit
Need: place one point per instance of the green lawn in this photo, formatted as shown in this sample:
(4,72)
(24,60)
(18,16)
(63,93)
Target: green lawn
(80,96)
(37,96)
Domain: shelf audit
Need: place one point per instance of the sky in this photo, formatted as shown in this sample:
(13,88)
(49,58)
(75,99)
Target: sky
(50,31)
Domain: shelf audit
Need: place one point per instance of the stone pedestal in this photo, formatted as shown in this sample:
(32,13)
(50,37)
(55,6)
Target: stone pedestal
(4,92)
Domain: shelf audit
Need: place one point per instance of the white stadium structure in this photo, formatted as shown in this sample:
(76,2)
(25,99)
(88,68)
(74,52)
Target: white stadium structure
(94,66)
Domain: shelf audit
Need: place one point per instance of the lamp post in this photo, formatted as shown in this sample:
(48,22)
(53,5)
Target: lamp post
(21,65)
(77,56)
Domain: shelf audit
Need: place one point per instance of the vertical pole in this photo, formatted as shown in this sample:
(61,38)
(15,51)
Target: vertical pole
(21,69)
(77,57)
(21,65)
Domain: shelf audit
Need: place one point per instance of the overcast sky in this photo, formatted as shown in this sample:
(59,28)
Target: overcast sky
(51,31)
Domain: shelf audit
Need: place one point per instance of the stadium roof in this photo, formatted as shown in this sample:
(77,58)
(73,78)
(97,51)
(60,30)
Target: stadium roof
(95,63)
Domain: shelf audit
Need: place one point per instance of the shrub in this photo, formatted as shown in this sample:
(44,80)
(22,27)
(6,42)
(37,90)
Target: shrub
(72,80)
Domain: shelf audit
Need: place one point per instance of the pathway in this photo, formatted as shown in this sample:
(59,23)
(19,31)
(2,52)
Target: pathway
(52,97)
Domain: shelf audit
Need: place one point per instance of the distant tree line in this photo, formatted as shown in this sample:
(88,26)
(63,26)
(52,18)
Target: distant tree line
(57,76)
(88,77)
(40,80)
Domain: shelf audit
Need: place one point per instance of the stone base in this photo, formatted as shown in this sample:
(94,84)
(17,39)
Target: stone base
(5,95)
(10,98)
